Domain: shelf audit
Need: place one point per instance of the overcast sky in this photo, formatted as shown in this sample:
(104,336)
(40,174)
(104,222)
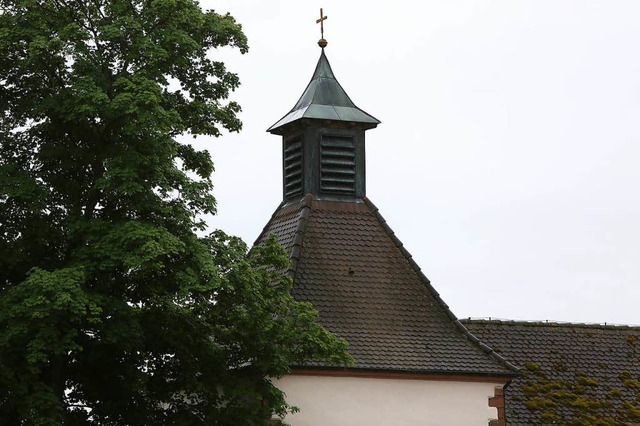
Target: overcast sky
(507,158)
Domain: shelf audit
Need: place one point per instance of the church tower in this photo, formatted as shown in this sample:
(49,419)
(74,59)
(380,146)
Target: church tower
(323,147)
(415,363)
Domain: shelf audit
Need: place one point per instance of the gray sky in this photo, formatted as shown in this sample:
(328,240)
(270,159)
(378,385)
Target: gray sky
(507,158)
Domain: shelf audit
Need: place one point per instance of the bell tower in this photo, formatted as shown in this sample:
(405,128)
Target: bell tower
(323,140)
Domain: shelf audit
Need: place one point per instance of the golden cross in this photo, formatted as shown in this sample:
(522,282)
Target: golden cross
(321,22)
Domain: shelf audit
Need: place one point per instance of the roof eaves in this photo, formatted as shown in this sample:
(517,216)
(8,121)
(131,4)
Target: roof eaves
(382,372)
(498,358)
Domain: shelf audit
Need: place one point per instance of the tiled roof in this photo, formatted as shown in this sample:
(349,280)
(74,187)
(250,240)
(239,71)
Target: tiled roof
(367,289)
(561,351)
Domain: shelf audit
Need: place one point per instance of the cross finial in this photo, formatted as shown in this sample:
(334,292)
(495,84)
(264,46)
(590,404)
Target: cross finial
(322,42)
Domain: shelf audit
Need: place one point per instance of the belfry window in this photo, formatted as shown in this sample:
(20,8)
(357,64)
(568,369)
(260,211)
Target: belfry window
(293,166)
(338,165)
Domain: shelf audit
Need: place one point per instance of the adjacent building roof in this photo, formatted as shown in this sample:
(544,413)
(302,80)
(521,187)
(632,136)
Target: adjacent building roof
(601,354)
(348,263)
(325,99)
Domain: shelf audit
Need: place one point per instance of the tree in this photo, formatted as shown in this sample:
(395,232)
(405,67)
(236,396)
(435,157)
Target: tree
(114,309)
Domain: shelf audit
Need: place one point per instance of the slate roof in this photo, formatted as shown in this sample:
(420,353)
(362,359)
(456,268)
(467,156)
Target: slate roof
(348,263)
(561,350)
(325,99)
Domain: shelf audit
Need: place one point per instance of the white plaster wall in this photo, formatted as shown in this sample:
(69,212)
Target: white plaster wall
(354,401)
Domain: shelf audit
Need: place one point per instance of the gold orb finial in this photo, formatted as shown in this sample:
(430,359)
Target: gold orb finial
(322,42)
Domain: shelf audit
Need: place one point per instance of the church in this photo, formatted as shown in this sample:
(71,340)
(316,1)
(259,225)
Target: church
(416,363)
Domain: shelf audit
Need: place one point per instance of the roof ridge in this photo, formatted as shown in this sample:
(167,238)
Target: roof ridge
(497,357)
(296,248)
(264,229)
(547,323)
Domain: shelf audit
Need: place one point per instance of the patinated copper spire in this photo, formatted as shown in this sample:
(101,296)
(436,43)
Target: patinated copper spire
(322,42)
(325,99)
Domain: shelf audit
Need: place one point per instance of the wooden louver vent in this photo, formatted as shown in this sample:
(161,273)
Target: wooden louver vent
(293,167)
(338,165)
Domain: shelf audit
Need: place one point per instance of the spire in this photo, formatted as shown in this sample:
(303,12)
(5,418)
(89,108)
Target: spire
(323,139)
(325,99)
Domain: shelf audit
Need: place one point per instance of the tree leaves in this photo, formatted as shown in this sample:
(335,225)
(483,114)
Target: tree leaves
(113,310)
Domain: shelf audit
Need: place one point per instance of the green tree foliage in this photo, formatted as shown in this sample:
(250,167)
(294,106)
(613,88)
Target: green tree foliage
(114,309)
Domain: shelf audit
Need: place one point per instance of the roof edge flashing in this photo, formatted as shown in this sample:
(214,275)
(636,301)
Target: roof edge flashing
(280,128)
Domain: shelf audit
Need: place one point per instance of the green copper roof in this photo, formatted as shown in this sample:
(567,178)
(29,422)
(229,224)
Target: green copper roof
(325,99)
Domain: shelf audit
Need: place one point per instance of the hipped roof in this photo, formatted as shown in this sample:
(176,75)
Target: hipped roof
(349,264)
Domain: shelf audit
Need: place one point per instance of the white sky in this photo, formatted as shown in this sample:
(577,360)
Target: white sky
(507,158)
